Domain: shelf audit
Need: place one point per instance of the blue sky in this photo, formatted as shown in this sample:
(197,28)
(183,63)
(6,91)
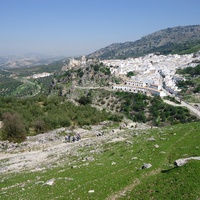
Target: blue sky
(79,27)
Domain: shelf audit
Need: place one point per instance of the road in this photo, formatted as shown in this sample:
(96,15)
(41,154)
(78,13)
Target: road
(191,108)
(26,81)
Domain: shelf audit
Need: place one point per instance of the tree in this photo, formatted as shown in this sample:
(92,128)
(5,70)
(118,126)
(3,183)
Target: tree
(13,127)
(39,126)
(84,100)
(129,74)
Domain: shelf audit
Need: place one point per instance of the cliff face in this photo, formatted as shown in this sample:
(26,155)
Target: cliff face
(170,40)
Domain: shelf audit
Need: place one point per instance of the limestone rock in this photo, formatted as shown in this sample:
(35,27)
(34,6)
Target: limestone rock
(151,139)
(180,162)
(50,182)
(183,161)
(146,166)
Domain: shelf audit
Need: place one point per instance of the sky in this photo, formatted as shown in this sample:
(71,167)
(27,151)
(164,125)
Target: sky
(80,27)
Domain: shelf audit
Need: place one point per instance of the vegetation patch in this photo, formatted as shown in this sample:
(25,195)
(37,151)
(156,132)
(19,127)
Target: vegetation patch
(153,110)
(41,114)
(191,82)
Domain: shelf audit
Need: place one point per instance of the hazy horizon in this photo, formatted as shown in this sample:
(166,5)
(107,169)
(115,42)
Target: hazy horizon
(73,28)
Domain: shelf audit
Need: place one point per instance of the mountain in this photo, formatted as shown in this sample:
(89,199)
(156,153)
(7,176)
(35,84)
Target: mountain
(31,59)
(180,39)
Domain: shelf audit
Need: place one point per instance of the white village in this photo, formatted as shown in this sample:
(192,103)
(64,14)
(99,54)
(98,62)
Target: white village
(155,74)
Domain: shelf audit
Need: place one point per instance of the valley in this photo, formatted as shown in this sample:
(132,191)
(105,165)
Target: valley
(120,123)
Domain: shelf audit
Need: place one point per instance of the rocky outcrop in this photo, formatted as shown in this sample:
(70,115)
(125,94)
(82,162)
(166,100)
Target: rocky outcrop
(33,142)
(183,161)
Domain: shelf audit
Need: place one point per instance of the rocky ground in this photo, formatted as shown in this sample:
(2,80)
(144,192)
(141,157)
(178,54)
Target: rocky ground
(51,149)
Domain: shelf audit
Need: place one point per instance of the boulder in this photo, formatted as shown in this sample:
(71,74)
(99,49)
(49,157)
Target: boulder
(182,161)
(146,166)
(50,182)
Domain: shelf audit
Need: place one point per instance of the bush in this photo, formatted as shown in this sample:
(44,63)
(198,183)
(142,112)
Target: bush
(39,126)
(85,100)
(129,74)
(13,127)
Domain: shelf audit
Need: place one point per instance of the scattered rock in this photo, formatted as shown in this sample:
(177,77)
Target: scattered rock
(48,148)
(180,162)
(151,139)
(85,164)
(156,146)
(146,166)
(50,182)
(91,191)
(134,158)
(88,159)
(183,161)
(39,182)
(69,179)
(163,152)
(128,142)
(100,133)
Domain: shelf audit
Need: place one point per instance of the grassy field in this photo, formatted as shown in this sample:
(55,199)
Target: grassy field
(115,170)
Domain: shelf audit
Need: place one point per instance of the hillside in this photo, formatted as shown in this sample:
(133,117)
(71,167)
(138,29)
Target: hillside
(27,60)
(181,39)
(67,98)
(125,163)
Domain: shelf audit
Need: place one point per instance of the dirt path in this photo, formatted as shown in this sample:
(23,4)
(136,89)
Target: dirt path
(130,187)
(171,103)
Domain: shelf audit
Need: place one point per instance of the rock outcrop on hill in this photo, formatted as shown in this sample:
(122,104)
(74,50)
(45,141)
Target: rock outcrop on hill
(182,161)
(43,150)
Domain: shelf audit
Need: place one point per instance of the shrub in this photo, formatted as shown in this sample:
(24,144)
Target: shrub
(85,100)
(129,74)
(13,127)
(39,126)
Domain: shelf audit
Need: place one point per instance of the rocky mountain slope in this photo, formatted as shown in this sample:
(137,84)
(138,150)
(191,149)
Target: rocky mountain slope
(181,39)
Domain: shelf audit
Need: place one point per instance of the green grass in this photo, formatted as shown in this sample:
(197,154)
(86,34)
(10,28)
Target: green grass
(176,183)
(115,171)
